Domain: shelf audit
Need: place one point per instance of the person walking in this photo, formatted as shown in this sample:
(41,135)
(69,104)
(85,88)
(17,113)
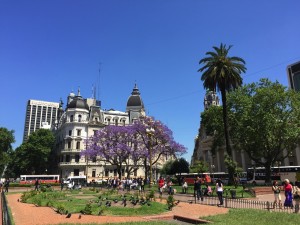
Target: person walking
(62,184)
(277,197)
(6,185)
(219,188)
(36,185)
(288,191)
(296,195)
(161,183)
(197,188)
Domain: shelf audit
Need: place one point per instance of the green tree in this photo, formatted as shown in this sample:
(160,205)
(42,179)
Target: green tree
(32,157)
(6,139)
(167,168)
(264,121)
(180,166)
(199,167)
(222,73)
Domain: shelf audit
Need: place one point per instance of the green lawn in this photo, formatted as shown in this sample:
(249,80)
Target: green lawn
(252,216)
(95,203)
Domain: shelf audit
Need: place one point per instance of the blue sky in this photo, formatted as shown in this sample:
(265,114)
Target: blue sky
(49,48)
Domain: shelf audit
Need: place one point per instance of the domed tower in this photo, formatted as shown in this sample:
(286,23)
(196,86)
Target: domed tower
(211,98)
(135,106)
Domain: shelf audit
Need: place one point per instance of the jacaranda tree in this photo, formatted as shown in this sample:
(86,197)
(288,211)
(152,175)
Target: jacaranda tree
(130,146)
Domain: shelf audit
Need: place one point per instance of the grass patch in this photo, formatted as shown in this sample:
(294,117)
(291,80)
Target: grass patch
(95,203)
(252,216)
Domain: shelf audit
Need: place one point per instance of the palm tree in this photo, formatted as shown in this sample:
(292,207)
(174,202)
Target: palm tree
(222,73)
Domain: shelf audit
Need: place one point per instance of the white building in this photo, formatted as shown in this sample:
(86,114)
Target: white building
(39,114)
(81,118)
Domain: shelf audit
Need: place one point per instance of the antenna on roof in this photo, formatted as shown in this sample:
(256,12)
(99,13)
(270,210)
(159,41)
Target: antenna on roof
(98,82)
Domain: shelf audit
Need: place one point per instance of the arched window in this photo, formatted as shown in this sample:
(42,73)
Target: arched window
(71,118)
(79,118)
(78,145)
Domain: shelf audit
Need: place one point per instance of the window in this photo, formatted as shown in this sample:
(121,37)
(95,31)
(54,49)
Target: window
(69,144)
(78,145)
(135,172)
(67,158)
(71,118)
(116,122)
(77,157)
(106,173)
(94,173)
(78,132)
(76,172)
(70,132)
(108,121)
(95,132)
(79,118)
(94,159)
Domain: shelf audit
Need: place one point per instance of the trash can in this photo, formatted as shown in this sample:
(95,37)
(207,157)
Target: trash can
(233,193)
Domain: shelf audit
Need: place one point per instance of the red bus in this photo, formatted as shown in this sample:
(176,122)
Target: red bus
(44,179)
(190,177)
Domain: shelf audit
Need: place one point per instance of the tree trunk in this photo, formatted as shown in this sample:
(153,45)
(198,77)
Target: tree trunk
(226,132)
(268,174)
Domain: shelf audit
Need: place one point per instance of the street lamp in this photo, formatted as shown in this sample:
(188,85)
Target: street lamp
(150,133)
(212,171)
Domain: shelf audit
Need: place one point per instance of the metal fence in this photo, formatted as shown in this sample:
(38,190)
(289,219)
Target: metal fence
(6,218)
(243,204)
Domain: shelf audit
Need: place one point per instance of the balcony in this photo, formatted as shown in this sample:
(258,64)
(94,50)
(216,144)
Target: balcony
(67,150)
(72,163)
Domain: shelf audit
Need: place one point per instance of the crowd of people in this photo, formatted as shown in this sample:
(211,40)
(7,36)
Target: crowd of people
(291,193)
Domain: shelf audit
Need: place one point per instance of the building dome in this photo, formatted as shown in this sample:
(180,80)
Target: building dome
(78,103)
(135,99)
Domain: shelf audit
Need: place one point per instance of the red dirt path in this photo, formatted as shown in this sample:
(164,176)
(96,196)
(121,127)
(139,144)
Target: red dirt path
(28,214)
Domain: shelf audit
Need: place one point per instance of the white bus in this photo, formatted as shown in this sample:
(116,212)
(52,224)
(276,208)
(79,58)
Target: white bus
(258,175)
(44,179)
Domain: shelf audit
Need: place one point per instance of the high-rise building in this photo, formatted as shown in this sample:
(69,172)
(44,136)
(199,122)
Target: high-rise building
(293,72)
(39,114)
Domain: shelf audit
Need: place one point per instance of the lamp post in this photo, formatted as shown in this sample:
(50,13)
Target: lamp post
(212,171)
(150,133)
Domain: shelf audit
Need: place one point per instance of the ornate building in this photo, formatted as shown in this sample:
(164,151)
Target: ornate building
(80,119)
(203,143)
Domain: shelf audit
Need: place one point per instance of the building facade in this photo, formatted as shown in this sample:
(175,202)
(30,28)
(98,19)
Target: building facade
(293,73)
(203,145)
(39,114)
(80,120)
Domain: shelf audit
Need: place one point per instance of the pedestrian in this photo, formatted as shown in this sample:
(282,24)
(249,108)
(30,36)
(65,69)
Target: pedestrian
(277,197)
(184,187)
(36,185)
(161,183)
(296,196)
(170,188)
(197,188)
(288,191)
(62,184)
(6,185)
(219,188)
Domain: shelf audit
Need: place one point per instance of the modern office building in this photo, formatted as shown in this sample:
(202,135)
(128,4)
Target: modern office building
(39,114)
(293,72)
